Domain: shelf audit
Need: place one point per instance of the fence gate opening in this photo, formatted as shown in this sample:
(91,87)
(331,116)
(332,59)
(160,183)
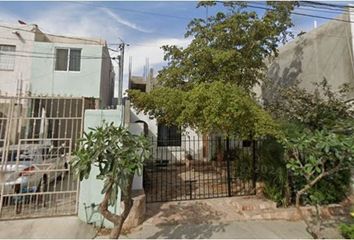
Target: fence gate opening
(37,138)
(200,168)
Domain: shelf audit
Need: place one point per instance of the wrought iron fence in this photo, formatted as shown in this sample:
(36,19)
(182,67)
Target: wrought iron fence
(199,168)
(37,137)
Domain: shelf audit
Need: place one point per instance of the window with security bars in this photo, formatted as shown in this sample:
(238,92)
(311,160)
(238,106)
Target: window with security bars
(68,59)
(7,57)
(168,135)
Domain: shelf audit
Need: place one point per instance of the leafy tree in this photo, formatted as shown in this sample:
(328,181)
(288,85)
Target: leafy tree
(208,107)
(318,143)
(119,155)
(314,156)
(230,46)
(208,84)
(315,110)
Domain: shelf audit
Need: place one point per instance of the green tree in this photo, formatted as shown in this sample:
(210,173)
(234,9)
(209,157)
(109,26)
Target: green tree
(210,108)
(318,142)
(208,85)
(322,108)
(315,155)
(230,46)
(118,154)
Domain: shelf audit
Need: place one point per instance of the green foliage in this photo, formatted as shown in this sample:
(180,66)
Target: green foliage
(273,171)
(331,189)
(243,165)
(314,153)
(215,107)
(208,85)
(230,46)
(321,108)
(116,152)
(318,145)
(347,230)
(316,158)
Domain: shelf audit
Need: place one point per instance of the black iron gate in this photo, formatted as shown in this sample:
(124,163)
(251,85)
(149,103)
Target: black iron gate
(200,168)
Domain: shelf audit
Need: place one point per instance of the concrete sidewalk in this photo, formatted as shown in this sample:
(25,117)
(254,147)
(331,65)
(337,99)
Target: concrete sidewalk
(246,230)
(55,227)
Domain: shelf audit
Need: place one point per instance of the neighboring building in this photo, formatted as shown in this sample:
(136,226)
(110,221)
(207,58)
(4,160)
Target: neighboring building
(46,64)
(167,140)
(324,52)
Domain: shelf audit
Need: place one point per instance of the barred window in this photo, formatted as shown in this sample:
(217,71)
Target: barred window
(68,59)
(7,57)
(168,135)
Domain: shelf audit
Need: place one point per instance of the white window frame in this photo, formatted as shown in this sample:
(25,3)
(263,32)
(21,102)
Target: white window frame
(68,62)
(13,69)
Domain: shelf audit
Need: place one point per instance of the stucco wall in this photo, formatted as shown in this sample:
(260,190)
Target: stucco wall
(191,142)
(107,79)
(90,189)
(9,79)
(86,82)
(324,52)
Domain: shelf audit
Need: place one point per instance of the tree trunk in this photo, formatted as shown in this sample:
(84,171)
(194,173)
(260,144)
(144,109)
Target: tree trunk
(128,204)
(311,229)
(117,220)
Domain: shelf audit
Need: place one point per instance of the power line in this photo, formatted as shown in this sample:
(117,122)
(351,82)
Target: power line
(304,14)
(52,57)
(327,4)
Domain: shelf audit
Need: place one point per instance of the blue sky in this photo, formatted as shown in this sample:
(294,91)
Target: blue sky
(144,25)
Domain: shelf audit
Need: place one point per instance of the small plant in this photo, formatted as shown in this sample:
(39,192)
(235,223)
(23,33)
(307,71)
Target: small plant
(347,230)
(119,155)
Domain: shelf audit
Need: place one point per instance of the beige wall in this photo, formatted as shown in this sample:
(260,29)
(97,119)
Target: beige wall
(324,52)
(107,79)
(9,79)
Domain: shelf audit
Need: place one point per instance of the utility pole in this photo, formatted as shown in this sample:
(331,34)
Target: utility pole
(120,49)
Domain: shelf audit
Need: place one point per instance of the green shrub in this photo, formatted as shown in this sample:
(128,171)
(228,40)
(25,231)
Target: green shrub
(347,230)
(272,171)
(332,189)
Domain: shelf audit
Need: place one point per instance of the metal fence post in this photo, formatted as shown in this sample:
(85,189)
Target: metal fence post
(229,180)
(254,164)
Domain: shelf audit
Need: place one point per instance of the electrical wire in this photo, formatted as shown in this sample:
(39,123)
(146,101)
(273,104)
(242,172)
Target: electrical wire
(52,57)
(304,14)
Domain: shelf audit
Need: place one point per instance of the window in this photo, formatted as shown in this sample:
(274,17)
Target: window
(7,57)
(75,60)
(141,87)
(168,135)
(68,59)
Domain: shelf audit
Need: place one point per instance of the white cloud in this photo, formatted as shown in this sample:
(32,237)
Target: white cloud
(77,21)
(124,22)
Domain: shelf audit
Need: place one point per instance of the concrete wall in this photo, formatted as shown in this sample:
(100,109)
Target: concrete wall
(177,153)
(107,79)
(90,189)
(86,82)
(11,80)
(324,52)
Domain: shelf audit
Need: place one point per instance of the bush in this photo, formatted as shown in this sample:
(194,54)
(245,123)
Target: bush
(347,230)
(332,189)
(272,171)
(280,188)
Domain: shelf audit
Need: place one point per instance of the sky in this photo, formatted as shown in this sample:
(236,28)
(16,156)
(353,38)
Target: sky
(144,25)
